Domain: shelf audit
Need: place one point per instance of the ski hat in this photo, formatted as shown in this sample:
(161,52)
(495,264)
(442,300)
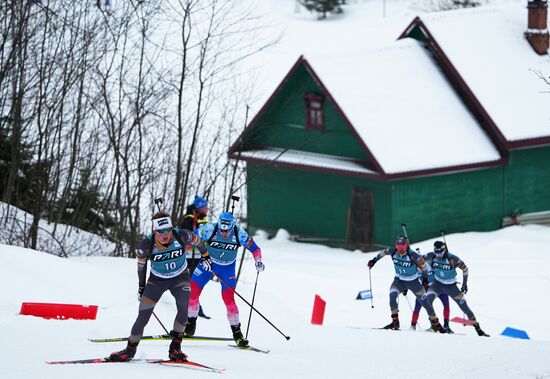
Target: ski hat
(226,221)
(199,202)
(162,223)
(401,242)
(440,248)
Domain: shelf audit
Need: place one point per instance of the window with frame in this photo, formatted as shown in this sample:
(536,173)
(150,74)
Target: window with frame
(314,112)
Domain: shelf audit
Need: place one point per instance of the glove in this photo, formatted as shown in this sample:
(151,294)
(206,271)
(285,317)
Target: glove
(206,263)
(372,262)
(140,292)
(464,289)
(259,265)
(405,292)
(425,283)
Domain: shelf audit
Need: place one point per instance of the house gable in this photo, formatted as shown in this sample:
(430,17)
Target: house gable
(281,123)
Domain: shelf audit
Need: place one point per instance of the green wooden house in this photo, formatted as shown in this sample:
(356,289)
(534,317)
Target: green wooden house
(424,132)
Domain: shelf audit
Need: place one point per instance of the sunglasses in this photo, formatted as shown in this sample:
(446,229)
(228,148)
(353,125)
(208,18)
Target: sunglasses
(163,231)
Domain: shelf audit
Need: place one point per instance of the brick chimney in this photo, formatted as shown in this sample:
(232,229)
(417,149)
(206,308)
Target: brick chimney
(537,25)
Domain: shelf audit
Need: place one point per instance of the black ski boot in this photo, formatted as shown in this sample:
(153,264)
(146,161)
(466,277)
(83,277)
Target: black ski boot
(447,327)
(394,324)
(202,314)
(126,354)
(437,327)
(480,332)
(413,326)
(190,327)
(174,352)
(238,336)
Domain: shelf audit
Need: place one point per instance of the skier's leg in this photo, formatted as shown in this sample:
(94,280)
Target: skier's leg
(446,309)
(416,313)
(395,289)
(181,291)
(151,295)
(453,291)
(426,299)
(227,274)
(198,281)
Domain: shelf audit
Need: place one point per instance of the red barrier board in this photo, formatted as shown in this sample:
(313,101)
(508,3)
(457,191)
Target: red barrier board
(59,311)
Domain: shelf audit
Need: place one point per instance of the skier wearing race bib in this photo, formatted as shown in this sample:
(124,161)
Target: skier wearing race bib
(444,266)
(223,239)
(165,248)
(406,263)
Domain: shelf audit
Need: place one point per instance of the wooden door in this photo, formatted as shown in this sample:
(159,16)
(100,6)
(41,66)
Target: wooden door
(361,218)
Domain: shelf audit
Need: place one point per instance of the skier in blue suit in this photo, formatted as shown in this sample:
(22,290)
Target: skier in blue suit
(222,240)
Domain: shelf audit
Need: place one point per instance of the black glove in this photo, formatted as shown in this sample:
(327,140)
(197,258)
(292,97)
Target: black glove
(425,283)
(372,262)
(140,292)
(464,289)
(405,291)
(206,263)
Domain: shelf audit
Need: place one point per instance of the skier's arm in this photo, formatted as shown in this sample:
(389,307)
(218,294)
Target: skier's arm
(194,240)
(457,262)
(143,252)
(249,243)
(379,256)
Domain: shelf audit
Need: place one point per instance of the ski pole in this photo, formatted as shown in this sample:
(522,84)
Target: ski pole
(404,227)
(161,324)
(250,305)
(253,297)
(370,284)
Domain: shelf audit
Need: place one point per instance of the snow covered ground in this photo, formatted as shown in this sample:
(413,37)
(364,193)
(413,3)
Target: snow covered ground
(509,284)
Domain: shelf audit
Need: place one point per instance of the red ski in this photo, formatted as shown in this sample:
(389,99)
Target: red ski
(165,362)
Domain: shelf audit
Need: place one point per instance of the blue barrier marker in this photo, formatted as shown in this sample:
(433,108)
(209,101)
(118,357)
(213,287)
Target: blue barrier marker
(515,333)
(363,295)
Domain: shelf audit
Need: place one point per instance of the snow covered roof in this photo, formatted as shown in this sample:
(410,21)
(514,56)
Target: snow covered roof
(488,49)
(304,158)
(403,108)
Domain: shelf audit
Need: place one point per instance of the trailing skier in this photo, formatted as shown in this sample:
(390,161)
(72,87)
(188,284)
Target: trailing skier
(223,239)
(165,248)
(444,266)
(406,263)
(194,217)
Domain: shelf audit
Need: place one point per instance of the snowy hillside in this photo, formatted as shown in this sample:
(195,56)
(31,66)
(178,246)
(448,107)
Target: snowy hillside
(509,285)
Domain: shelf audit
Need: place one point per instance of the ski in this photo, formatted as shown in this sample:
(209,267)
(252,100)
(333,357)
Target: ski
(250,348)
(165,362)
(161,337)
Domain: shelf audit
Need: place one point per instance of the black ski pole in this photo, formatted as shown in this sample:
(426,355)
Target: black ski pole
(158,202)
(234,198)
(253,297)
(370,284)
(404,226)
(250,305)
(161,324)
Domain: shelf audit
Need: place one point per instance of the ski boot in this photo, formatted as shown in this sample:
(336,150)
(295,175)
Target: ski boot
(190,327)
(202,314)
(436,326)
(480,332)
(394,324)
(447,327)
(413,326)
(174,352)
(126,354)
(238,336)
